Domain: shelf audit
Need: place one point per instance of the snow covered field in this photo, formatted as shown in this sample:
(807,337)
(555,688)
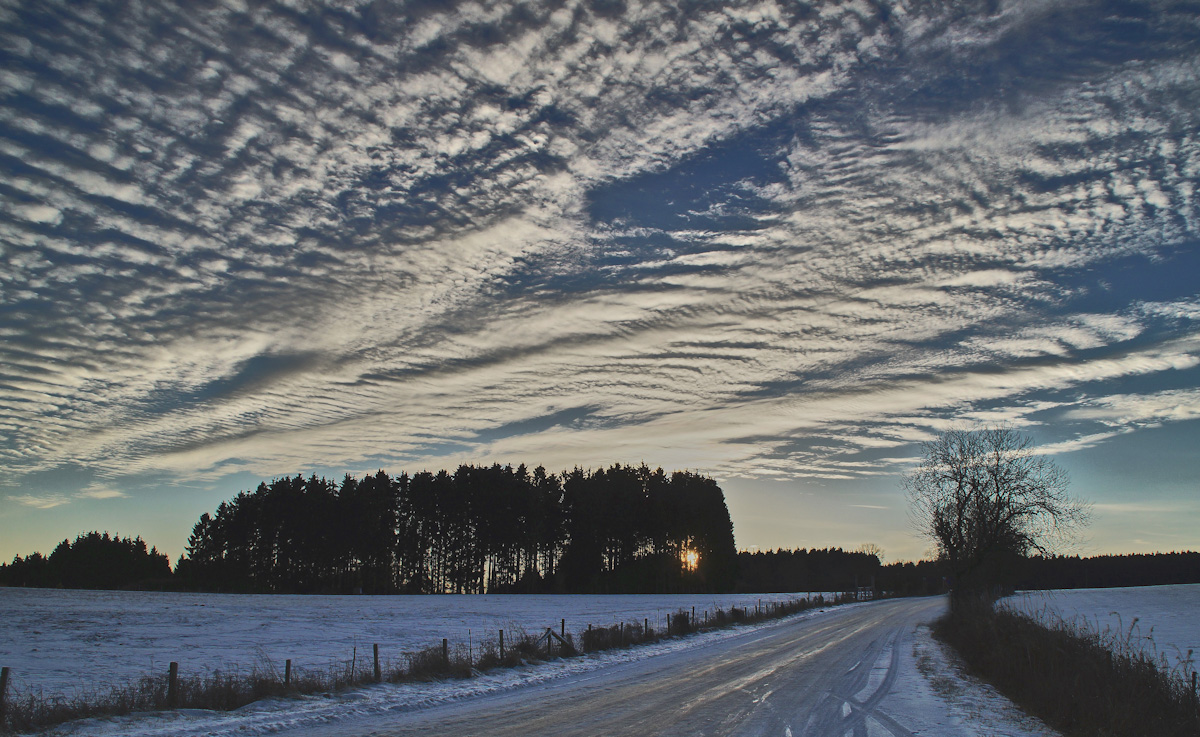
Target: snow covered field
(928,692)
(115,636)
(59,641)
(1163,618)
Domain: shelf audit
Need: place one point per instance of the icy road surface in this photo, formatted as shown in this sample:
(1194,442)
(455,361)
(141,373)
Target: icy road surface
(860,669)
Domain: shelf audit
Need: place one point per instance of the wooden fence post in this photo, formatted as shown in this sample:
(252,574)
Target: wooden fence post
(4,691)
(502,644)
(287,672)
(173,685)
(646,628)
(378,672)
(563,632)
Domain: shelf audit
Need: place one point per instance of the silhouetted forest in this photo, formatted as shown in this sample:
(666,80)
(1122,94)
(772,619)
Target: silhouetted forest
(1056,572)
(787,571)
(1107,571)
(479,529)
(93,561)
(922,578)
(833,569)
(499,529)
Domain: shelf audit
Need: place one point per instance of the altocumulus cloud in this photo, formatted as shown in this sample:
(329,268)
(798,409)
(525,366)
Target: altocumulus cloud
(766,240)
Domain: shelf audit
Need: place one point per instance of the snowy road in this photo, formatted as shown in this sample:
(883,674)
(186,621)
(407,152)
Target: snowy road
(837,674)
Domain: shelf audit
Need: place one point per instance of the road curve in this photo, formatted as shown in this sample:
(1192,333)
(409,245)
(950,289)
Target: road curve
(813,677)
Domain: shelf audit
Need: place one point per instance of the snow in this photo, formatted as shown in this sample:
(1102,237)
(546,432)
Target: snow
(933,695)
(60,641)
(1160,619)
(914,681)
(276,715)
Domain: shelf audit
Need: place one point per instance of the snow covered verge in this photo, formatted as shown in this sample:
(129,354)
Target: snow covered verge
(934,695)
(1160,619)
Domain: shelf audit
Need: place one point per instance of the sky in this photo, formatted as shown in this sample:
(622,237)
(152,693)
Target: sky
(780,243)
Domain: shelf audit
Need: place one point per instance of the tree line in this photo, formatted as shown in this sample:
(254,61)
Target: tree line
(94,561)
(479,529)
(788,571)
(1107,571)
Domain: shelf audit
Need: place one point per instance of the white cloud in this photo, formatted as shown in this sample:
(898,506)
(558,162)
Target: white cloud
(1127,410)
(40,501)
(421,243)
(101,492)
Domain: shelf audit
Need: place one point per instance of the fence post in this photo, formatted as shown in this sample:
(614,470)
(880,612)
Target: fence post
(502,644)
(378,672)
(646,628)
(287,672)
(563,631)
(446,651)
(4,691)
(173,685)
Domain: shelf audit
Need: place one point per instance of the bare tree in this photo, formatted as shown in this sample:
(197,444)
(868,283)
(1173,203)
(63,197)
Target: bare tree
(986,497)
(871,549)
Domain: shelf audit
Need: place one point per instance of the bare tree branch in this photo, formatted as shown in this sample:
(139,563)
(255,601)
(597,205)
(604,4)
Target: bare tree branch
(986,495)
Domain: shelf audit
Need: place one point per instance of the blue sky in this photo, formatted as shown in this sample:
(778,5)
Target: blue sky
(780,243)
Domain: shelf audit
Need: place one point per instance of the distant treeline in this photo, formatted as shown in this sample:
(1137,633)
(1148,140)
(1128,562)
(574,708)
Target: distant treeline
(479,529)
(500,529)
(93,561)
(1108,571)
(833,569)
(786,571)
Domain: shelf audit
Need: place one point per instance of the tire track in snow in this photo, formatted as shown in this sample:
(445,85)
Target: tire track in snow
(856,715)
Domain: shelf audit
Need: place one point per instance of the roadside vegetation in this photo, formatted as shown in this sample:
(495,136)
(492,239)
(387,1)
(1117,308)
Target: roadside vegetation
(225,691)
(988,500)
(1079,681)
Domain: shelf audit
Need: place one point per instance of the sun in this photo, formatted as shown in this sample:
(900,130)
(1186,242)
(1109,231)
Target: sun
(690,558)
